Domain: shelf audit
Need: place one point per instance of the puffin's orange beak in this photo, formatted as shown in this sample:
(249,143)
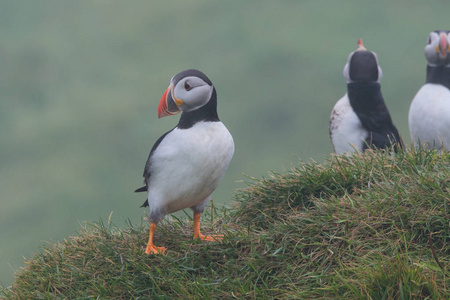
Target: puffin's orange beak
(360,45)
(167,106)
(443,46)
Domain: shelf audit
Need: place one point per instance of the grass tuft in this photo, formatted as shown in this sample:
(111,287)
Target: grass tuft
(368,226)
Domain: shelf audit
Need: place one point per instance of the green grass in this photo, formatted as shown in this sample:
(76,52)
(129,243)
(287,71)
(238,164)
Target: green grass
(80,84)
(368,226)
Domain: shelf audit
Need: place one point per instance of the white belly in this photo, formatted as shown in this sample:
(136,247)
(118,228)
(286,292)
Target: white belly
(429,117)
(346,131)
(188,165)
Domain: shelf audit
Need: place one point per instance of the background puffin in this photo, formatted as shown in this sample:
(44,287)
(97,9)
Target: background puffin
(361,119)
(429,114)
(187,163)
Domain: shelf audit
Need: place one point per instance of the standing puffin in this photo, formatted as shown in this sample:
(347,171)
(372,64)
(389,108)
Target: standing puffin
(429,114)
(187,163)
(360,119)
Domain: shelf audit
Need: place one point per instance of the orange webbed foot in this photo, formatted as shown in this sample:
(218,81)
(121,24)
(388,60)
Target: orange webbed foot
(152,249)
(198,235)
(209,238)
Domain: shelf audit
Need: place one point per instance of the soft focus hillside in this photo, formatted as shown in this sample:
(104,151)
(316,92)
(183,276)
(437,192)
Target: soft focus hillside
(369,226)
(80,83)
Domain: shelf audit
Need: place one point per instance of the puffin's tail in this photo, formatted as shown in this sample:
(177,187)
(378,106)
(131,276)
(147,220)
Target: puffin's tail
(141,189)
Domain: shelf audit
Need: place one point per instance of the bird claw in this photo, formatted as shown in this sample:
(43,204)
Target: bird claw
(152,249)
(210,238)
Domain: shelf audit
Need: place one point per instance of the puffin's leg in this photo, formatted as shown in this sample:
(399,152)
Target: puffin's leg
(151,248)
(197,233)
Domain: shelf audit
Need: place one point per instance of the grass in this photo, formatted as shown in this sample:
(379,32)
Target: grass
(368,226)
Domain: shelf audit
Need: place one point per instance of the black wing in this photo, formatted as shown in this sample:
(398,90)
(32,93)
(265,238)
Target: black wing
(382,132)
(368,104)
(385,139)
(147,169)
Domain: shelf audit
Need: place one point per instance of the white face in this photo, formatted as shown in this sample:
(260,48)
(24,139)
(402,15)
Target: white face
(193,91)
(434,52)
(346,71)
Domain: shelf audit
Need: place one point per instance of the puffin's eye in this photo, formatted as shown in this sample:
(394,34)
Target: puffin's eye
(429,40)
(187,87)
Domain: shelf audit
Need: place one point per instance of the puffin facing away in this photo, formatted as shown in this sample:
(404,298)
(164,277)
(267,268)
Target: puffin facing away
(360,119)
(187,163)
(429,113)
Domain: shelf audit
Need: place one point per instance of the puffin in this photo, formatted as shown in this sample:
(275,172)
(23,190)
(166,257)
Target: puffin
(187,163)
(360,120)
(429,113)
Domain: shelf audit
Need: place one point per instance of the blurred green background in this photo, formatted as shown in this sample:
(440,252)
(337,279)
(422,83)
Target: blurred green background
(80,83)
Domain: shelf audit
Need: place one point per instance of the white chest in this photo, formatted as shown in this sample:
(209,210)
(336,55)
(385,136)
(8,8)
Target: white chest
(188,165)
(429,116)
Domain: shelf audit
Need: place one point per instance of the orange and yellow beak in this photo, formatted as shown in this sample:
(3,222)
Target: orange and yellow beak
(443,48)
(167,105)
(360,45)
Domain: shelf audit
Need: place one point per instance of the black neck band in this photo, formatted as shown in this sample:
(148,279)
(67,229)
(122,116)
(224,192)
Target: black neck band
(438,75)
(206,113)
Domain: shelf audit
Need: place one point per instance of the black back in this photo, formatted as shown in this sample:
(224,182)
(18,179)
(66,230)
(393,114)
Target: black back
(368,104)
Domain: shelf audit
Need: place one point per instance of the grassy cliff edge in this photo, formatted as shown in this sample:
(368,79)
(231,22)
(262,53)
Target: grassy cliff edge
(369,226)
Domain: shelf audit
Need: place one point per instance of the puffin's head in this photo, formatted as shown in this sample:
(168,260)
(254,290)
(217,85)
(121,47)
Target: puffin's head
(437,49)
(188,90)
(362,66)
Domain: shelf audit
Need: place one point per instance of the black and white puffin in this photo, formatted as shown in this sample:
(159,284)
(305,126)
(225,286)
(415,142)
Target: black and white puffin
(360,119)
(187,163)
(429,113)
